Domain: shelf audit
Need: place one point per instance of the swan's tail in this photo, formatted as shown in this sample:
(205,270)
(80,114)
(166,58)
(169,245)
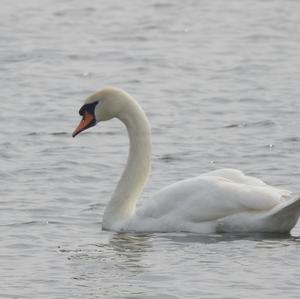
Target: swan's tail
(281,219)
(284,216)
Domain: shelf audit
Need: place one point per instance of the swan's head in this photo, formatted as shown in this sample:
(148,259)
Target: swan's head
(100,106)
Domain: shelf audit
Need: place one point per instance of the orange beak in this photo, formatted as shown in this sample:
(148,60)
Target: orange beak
(87,121)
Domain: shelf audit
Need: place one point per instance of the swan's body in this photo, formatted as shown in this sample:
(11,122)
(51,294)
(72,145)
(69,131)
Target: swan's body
(219,201)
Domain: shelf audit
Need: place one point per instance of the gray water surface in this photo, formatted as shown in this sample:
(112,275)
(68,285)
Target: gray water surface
(219,81)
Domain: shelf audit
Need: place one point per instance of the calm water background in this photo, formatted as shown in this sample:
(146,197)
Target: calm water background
(219,81)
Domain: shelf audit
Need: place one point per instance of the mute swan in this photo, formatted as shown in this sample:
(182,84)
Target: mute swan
(224,200)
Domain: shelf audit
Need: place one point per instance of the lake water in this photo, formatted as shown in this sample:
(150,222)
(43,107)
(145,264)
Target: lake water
(219,81)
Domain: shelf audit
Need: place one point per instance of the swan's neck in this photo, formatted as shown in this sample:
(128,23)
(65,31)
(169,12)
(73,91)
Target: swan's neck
(123,202)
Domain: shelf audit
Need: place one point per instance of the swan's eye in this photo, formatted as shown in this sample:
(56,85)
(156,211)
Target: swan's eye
(88,108)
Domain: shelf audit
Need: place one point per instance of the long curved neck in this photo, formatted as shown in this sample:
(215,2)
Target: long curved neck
(123,202)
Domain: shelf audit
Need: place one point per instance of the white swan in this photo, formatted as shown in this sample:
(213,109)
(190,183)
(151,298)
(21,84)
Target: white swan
(224,200)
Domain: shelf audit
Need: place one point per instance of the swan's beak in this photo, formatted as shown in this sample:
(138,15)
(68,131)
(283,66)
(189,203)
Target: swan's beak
(88,120)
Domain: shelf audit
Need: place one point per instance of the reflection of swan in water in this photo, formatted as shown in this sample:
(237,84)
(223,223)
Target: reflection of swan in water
(232,237)
(224,200)
(126,243)
(129,251)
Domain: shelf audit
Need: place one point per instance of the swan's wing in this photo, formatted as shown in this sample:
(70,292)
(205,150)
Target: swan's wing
(238,176)
(210,197)
(235,175)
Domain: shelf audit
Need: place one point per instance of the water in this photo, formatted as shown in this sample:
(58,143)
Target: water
(219,81)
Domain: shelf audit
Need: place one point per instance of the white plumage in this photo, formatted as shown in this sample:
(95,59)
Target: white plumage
(224,200)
